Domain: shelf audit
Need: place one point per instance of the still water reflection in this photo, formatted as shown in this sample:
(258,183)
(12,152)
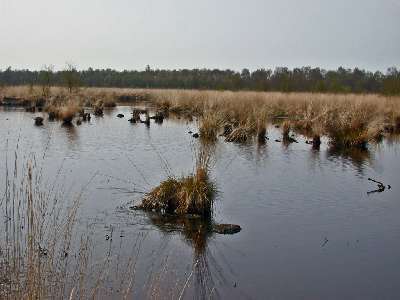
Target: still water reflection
(310,230)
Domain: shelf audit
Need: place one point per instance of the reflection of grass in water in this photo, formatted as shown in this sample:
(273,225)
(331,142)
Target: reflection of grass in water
(357,157)
(196,232)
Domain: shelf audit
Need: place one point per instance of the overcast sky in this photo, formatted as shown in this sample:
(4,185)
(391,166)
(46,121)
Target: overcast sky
(129,34)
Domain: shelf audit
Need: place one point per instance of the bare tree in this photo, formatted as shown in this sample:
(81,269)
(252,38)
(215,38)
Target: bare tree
(71,77)
(45,80)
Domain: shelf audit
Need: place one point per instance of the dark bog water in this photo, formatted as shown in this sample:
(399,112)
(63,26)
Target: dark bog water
(309,228)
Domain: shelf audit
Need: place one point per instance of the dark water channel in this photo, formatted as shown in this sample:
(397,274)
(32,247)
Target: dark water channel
(309,228)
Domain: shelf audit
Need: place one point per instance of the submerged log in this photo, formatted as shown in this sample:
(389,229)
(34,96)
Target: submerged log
(52,116)
(38,121)
(98,111)
(226,228)
(316,142)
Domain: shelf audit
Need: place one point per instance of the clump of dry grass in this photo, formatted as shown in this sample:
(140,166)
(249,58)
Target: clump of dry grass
(355,127)
(187,195)
(239,135)
(316,133)
(108,102)
(286,127)
(210,124)
(191,194)
(65,111)
(247,125)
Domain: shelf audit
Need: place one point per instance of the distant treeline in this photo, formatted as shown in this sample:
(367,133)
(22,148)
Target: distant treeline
(304,79)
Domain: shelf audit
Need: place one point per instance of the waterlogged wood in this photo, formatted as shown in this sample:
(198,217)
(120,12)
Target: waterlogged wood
(381,186)
(226,228)
(38,121)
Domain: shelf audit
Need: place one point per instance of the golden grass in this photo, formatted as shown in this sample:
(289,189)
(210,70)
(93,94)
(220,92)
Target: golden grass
(347,119)
(106,97)
(37,240)
(286,127)
(210,124)
(65,110)
(44,254)
(186,195)
(191,194)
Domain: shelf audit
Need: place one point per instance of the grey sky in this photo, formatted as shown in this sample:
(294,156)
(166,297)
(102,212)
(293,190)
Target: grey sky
(128,34)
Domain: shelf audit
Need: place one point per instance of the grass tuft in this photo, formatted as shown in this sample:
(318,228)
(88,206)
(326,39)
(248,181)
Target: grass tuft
(210,125)
(193,194)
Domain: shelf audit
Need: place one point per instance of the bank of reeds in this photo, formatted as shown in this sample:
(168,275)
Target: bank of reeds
(44,254)
(106,97)
(348,120)
(37,242)
(217,111)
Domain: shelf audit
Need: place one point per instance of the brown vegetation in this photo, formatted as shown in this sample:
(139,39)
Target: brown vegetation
(64,111)
(44,254)
(348,120)
(191,194)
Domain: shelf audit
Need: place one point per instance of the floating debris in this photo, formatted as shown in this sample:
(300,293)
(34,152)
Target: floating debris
(381,186)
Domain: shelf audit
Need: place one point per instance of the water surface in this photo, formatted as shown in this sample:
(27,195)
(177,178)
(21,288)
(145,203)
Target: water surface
(309,228)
